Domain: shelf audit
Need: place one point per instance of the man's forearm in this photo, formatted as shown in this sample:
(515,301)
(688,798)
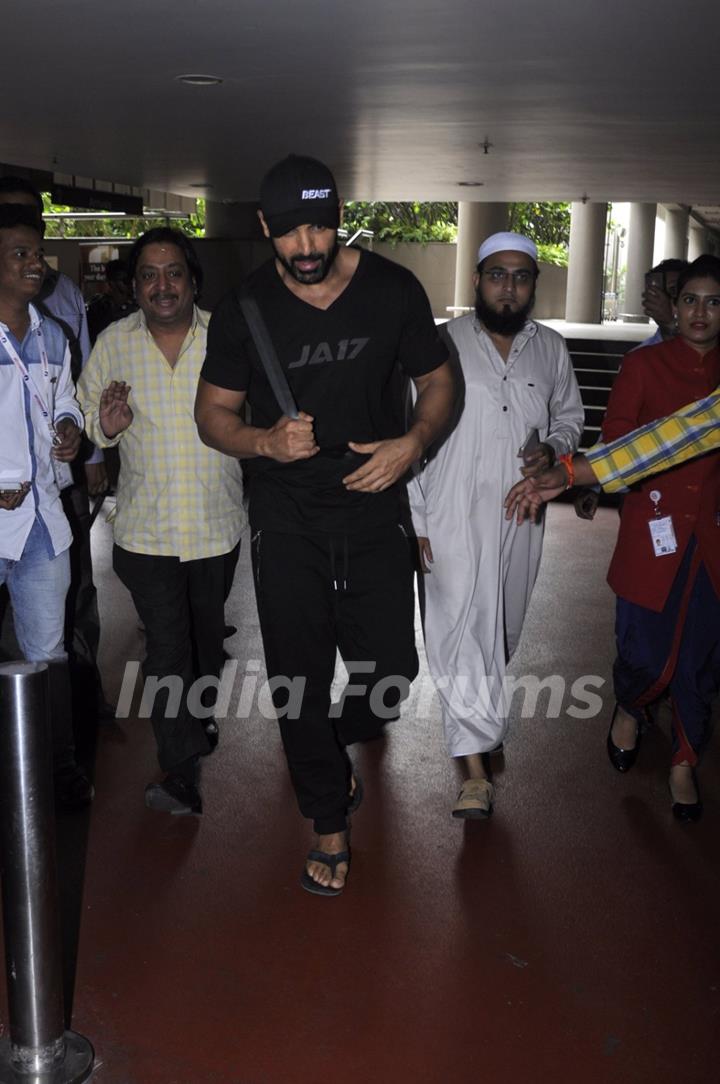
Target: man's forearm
(433,409)
(225,431)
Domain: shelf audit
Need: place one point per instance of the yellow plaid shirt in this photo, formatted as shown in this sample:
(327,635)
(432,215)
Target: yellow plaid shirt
(175,496)
(659,445)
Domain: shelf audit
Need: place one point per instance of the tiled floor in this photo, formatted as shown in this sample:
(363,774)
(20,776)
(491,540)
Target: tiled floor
(572,939)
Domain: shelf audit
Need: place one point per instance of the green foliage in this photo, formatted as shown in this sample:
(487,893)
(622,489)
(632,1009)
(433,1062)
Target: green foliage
(557,254)
(548,224)
(122,228)
(396,222)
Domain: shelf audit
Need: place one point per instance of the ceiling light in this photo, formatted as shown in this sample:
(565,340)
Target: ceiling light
(471,184)
(199,80)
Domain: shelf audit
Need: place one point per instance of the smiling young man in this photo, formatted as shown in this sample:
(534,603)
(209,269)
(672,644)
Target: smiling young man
(179,504)
(331,562)
(60,299)
(40,427)
(521,404)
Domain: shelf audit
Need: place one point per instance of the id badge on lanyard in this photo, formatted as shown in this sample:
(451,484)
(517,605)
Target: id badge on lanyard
(62,471)
(661,527)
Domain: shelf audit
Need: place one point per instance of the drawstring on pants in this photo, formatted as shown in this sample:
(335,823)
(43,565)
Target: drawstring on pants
(342,584)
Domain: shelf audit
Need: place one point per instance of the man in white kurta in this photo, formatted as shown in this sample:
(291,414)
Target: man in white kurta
(518,378)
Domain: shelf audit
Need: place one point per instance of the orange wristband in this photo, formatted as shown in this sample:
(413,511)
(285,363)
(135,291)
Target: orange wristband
(567,462)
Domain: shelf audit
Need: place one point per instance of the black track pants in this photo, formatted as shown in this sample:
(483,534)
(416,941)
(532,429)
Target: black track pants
(317,594)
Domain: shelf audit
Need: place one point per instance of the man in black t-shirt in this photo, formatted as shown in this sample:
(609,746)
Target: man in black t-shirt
(331,563)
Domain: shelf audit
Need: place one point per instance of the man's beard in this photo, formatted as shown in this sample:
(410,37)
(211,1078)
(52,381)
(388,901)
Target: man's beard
(505,322)
(309,278)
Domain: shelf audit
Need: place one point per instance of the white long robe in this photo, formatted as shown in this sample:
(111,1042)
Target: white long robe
(485,566)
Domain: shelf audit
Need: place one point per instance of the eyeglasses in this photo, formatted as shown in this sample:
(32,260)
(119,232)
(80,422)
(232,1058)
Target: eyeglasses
(520,278)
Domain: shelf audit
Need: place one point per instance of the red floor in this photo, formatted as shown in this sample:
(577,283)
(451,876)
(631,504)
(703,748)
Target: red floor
(572,939)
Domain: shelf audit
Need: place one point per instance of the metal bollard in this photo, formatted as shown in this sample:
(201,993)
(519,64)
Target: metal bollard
(38,1050)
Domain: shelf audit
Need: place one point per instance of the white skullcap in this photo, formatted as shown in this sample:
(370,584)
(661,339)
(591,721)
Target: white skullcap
(507,242)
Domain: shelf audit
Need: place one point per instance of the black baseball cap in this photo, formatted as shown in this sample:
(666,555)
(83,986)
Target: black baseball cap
(299,191)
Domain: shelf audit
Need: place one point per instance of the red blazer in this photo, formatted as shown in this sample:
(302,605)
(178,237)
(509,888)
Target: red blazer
(653,382)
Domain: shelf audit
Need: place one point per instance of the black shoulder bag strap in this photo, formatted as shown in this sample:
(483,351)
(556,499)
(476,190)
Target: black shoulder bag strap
(274,372)
(268,355)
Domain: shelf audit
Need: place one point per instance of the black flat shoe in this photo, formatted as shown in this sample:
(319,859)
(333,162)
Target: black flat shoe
(174,794)
(621,759)
(687,812)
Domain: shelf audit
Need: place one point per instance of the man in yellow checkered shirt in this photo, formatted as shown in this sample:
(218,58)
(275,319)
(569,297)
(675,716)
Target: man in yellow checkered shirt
(689,432)
(179,503)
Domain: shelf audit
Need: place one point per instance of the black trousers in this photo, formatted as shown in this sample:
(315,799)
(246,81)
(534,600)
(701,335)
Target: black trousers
(182,606)
(317,594)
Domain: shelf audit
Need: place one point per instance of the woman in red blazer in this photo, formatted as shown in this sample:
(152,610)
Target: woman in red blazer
(666,566)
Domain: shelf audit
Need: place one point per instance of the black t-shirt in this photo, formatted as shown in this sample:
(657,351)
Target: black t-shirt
(342,367)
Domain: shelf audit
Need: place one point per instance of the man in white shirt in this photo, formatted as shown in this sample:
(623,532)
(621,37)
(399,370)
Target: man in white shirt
(521,397)
(40,429)
(61,299)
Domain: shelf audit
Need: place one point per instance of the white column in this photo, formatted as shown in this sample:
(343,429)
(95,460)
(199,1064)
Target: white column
(583,300)
(476,221)
(697,240)
(676,233)
(641,235)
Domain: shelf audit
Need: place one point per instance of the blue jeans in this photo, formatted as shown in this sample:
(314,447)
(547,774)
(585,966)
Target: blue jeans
(37,584)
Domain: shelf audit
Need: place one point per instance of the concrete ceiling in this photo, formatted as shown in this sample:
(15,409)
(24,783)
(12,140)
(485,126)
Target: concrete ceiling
(614,100)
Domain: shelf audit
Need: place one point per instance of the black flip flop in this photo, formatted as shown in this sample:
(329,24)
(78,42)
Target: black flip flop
(331,860)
